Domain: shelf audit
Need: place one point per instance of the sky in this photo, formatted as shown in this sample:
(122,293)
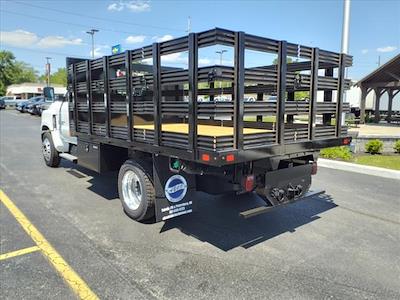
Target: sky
(34,29)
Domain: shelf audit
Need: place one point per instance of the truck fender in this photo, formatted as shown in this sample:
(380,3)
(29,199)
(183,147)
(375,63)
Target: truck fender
(59,144)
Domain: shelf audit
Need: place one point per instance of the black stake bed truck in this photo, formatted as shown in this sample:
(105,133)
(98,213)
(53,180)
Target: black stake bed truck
(252,123)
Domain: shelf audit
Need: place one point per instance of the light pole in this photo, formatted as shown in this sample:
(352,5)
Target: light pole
(92,32)
(346,26)
(345,42)
(48,70)
(221,52)
(220,55)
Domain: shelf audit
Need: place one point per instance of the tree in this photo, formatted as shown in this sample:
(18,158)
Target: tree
(7,68)
(13,71)
(59,77)
(24,73)
(289,60)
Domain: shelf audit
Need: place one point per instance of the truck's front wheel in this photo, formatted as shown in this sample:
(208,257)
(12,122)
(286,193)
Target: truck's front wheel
(136,191)
(50,153)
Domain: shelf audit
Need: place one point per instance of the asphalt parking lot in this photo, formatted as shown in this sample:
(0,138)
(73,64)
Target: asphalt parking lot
(343,245)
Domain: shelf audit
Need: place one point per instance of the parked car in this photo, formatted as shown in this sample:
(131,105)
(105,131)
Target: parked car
(22,106)
(2,104)
(33,107)
(249,99)
(222,99)
(11,100)
(42,106)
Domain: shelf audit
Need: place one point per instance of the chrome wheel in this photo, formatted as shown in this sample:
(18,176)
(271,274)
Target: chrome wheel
(46,149)
(132,191)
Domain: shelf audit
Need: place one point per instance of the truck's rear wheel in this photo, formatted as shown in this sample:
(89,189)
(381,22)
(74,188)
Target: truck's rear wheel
(50,153)
(136,191)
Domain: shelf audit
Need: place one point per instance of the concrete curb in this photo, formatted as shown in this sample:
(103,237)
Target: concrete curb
(345,166)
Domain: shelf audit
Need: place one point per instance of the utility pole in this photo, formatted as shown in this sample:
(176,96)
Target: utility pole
(92,32)
(379,60)
(48,70)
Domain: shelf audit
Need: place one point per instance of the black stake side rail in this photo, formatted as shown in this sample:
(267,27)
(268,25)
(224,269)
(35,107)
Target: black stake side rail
(238,84)
(129,98)
(284,74)
(281,90)
(192,109)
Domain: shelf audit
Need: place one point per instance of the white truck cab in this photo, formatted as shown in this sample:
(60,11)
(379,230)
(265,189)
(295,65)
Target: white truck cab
(56,137)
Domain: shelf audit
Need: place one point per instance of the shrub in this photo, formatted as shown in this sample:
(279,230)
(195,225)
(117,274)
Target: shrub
(374,146)
(396,146)
(342,152)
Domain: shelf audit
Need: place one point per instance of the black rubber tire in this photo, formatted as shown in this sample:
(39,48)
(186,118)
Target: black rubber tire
(146,208)
(54,160)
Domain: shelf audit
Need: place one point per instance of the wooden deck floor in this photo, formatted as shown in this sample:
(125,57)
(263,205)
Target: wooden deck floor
(204,130)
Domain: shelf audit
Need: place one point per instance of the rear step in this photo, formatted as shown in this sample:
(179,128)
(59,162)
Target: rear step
(263,209)
(69,157)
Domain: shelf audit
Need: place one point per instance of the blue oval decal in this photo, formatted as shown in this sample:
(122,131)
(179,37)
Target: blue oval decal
(175,188)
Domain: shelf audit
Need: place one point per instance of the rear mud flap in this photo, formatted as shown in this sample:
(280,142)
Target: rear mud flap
(174,190)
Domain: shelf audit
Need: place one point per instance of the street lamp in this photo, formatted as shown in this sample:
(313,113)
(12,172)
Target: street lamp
(221,52)
(92,32)
(220,55)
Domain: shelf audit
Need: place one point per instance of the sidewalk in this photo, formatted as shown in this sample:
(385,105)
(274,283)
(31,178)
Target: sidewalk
(377,130)
(369,170)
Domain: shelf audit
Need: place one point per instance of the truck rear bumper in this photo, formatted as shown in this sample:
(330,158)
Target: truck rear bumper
(267,208)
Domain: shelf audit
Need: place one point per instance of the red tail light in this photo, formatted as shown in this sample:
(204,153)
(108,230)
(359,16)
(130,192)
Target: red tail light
(205,157)
(230,157)
(346,141)
(314,168)
(249,183)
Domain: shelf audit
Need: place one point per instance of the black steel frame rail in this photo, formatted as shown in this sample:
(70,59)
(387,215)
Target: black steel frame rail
(313,92)
(128,75)
(192,109)
(107,98)
(239,90)
(88,97)
(75,94)
(281,91)
(339,98)
(157,93)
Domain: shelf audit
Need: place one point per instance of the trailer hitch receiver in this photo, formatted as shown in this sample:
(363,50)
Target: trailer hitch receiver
(283,187)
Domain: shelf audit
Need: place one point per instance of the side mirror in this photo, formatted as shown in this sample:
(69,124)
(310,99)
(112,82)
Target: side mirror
(48,93)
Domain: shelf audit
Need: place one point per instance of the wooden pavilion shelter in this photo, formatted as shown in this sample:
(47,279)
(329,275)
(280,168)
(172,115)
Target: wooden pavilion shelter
(385,79)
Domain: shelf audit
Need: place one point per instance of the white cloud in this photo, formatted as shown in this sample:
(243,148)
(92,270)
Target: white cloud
(163,38)
(115,6)
(174,58)
(18,38)
(135,39)
(134,6)
(138,6)
(26,39)
(386,49)
(99,50)
(364,51)
(57,42)
(204,62)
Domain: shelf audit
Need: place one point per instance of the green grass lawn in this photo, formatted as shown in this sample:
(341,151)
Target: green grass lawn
(383,161)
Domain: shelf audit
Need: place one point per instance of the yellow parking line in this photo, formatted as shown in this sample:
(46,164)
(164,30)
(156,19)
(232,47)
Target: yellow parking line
(73,279)
(19,252)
